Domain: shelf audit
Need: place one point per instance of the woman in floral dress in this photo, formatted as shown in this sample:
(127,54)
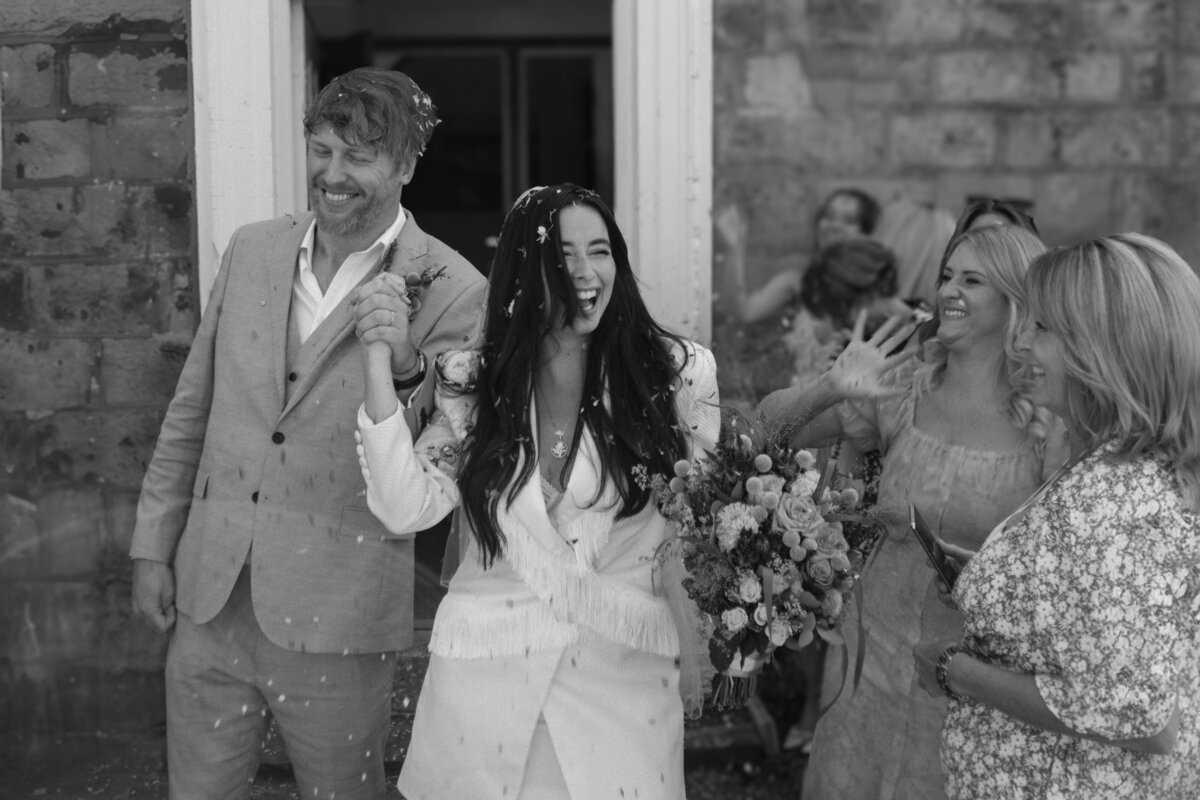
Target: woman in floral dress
(962,443)
(1079,672)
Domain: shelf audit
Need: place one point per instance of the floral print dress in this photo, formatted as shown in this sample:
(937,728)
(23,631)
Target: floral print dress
(1095,592)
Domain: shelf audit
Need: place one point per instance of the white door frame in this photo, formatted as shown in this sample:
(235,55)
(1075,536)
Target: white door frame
(248,79)
(248,86)
(664,154)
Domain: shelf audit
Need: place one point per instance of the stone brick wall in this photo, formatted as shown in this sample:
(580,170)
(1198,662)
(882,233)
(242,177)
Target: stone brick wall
(1091,108)
(97,307)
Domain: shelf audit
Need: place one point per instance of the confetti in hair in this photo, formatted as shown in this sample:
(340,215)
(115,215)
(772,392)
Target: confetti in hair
(376,107)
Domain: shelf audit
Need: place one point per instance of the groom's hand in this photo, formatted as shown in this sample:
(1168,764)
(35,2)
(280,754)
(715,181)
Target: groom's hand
(381,310)
(154,593)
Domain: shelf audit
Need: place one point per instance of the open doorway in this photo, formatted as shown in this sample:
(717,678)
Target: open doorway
(524,90)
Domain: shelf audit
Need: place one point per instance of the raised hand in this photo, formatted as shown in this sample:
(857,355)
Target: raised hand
(381,311)
(731,227)
(860,371)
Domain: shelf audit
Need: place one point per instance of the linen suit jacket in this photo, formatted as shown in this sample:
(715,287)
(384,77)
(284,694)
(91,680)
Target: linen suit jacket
(256,457)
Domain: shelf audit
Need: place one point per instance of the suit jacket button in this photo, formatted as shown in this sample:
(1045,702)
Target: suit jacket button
(254,497)
(292,376)
(277,437)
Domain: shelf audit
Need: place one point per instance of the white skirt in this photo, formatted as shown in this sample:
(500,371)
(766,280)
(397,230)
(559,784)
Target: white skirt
(593,720)
(544,779)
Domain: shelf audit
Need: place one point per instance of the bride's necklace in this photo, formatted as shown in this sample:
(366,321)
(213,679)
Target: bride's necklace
(559,449)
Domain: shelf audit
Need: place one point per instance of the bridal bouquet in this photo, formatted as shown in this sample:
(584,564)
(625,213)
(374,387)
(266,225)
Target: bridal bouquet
(760,530)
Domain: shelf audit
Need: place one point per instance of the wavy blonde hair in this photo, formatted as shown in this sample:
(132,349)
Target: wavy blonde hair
(1005,253)
(1127,309)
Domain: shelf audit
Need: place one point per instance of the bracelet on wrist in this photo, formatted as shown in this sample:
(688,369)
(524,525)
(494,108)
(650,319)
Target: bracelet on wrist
(403,384)
(943,666)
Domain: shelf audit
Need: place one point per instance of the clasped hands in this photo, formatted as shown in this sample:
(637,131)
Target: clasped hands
(381,310)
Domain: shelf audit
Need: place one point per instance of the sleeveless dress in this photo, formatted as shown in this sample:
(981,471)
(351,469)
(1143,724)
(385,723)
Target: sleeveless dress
(881,741)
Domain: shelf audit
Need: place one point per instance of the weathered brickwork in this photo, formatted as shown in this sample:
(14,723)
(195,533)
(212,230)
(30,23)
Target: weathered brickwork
(1090,108)
(97,307)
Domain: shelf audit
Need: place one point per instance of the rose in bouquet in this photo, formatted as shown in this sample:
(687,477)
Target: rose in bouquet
(761,533)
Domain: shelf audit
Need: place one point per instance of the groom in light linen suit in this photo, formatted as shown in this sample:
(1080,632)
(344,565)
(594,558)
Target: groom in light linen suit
(253,539)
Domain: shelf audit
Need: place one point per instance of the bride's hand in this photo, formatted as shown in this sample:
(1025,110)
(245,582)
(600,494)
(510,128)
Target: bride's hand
(859,371)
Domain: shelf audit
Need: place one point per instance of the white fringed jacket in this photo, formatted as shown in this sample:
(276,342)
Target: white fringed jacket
(592,571)
(571,625)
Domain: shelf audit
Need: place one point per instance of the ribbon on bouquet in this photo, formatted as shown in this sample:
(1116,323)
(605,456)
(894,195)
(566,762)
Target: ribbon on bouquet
(768,584)
(827,459)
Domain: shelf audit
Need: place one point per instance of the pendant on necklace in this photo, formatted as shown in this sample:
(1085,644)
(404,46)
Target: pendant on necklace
(559,450)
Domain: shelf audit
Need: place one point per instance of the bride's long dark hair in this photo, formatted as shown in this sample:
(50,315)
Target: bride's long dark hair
(630,376)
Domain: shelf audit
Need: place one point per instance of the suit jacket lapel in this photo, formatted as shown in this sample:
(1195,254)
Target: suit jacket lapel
(323,342)
(281,272)
(411,246)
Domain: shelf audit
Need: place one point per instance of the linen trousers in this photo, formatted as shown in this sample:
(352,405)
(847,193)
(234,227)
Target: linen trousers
(223,677)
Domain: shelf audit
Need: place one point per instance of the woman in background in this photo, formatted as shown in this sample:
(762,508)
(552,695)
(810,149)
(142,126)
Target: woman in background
(848,277)
(993,211)
(555,658)
(1078,675)
(962,441)
(847,213)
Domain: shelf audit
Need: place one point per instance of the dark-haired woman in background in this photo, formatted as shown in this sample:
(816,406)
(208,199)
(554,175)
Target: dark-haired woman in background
(993,211)
(554,669)
(847,277)
(847,213)
(1078,676)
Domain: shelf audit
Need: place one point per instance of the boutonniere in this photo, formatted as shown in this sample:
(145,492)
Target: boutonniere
(414,282)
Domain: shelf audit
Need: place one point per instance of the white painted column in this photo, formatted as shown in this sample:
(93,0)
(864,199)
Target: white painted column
(247,109)
(662,62)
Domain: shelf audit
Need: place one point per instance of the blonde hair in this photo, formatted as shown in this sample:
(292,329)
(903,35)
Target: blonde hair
(1127,309)
(1005,253)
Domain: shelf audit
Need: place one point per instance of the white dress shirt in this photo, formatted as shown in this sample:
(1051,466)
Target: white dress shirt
(310,306)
